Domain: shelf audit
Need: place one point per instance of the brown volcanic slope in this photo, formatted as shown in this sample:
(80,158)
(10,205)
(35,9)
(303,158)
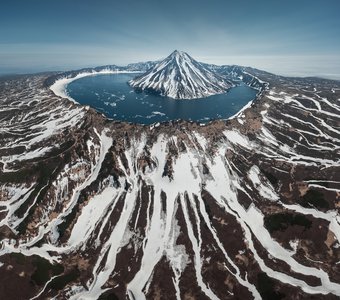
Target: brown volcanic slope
(239,209)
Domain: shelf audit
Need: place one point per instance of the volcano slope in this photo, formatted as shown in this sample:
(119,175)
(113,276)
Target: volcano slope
(179,76)
(240,209)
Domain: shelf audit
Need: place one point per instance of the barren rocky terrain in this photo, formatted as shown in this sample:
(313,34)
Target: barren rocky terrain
(246,208)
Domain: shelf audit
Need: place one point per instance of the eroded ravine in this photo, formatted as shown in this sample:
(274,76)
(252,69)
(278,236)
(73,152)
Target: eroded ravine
(178,209)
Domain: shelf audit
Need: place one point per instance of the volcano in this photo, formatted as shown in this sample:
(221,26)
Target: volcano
(179,76)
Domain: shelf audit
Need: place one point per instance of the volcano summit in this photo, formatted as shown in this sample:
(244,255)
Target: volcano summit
(179,76)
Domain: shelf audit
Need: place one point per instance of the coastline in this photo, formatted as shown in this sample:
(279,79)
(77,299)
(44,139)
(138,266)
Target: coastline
(59,86)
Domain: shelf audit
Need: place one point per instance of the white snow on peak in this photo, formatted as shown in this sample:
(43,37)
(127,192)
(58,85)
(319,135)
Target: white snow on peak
(179,76)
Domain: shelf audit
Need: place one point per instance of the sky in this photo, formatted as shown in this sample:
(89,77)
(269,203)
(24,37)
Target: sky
(299,38)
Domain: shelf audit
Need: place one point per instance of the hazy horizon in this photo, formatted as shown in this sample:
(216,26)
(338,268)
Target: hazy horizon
(290,38)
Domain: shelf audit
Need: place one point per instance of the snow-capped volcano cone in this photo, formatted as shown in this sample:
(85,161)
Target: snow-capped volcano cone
(179,76)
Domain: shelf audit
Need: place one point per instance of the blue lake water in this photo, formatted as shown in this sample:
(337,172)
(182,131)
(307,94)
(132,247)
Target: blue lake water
(111,95)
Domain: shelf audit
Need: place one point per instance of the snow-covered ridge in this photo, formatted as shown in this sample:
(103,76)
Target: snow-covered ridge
(133,207)
(179,76)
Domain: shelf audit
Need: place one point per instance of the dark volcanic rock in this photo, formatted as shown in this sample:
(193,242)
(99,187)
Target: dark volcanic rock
(241,209)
